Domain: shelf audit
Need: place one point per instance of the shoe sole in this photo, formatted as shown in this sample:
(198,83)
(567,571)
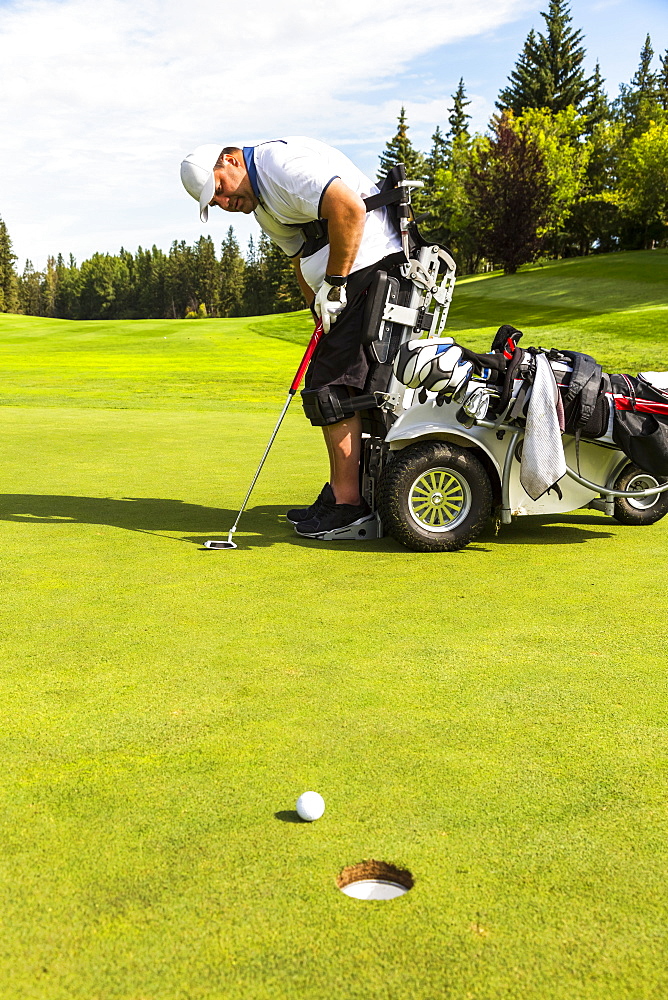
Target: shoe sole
(363,529)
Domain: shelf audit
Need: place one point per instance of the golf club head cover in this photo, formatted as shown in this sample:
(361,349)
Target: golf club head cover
(329,302)
(448,372)
(412,363)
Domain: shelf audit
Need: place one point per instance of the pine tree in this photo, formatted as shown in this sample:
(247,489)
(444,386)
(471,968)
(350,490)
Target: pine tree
(400,149)
(523,90)
(8,280)
(435,164)
(549,72)
(458,117)
(49,286)
(639,101)
(280,281)
(68,287)
(254,299)
(438,155)
(232,270)
(207,275)
(597,109)
(30,292)
(662,82)
(180,291)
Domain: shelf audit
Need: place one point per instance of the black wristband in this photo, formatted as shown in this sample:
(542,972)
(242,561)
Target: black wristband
(336,279)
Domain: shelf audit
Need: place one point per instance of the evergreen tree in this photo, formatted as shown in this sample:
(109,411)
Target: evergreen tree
(206,275)
(438,155)
(68,287)
(8,280)
(523,89)
(597,109)
(231,276)
(105,280)
(49,286)
(284,294)
(400,149)
(436,162)
(30,291)
(253,304)
(158,295)
(639,101)
(458,117)
(549,72)
(662,82)
(180,291)
(144,304)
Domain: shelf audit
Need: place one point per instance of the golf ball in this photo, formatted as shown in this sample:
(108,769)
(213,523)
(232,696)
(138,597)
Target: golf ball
(310,806)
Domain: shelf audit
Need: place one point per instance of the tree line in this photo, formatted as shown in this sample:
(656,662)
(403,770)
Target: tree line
(191,281)
(561,171)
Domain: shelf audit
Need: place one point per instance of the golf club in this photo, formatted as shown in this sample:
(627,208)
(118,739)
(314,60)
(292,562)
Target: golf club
(313,343)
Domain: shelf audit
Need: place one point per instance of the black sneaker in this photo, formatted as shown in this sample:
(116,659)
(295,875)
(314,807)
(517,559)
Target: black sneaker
(298,514)
(334,516)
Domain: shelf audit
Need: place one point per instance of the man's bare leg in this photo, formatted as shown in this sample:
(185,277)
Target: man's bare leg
(344,442)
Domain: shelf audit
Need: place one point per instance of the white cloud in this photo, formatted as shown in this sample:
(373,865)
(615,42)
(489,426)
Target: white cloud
(100,101)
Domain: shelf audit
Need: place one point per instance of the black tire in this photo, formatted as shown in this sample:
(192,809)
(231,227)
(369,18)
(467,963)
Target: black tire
(638,512)
(449,517)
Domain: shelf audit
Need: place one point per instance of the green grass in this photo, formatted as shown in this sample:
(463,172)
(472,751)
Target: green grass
(494,720)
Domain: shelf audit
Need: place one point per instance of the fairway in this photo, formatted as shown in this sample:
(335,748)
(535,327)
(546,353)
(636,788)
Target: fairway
(492,720)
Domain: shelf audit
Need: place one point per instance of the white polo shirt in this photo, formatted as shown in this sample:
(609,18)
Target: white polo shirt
(290,177)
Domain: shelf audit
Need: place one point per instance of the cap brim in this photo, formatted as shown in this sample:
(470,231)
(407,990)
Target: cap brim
(206,194)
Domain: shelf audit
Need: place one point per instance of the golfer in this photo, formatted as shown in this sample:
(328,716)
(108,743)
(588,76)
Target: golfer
(307,197)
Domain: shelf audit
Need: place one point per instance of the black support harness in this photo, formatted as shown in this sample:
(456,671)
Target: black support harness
(392,193)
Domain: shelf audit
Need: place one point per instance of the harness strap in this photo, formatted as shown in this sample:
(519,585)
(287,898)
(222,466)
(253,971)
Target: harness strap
(315,233)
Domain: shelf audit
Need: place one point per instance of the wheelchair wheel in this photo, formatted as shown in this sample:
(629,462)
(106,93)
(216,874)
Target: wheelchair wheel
(434,497)
(644,510)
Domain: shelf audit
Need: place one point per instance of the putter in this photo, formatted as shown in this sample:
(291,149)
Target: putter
(308,354)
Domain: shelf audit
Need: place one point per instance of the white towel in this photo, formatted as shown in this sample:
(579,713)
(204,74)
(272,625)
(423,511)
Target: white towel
(543,462)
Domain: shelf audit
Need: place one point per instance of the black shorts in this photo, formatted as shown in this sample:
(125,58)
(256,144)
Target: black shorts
(339,358)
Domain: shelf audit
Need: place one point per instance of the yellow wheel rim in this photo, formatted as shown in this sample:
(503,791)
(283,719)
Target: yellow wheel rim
(439,499)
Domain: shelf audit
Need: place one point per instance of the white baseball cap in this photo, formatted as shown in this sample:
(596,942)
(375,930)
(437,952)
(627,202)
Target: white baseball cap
(197,175)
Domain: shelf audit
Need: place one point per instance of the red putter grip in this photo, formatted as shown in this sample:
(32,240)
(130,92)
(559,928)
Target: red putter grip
(308,354)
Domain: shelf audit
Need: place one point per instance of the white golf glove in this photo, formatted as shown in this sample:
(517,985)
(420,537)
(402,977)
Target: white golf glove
(329,302)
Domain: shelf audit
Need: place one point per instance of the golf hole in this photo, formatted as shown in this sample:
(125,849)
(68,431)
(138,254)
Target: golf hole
(373,879)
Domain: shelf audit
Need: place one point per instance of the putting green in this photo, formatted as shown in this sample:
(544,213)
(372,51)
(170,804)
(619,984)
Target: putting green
(492,720)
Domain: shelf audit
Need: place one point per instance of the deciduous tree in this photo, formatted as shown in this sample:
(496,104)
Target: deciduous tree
(510,193)
(643,183)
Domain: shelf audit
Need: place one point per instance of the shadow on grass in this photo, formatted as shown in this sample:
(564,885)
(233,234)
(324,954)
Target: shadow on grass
(552,529)
(260,526)
(266,525)
(144,514)
(288,816)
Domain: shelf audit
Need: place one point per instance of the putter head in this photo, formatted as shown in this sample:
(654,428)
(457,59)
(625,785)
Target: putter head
(215,544)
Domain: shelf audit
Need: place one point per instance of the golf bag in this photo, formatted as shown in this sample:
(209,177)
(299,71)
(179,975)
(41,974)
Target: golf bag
(640,426)
(639,405)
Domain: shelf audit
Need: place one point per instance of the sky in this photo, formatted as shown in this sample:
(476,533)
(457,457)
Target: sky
(100,101)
